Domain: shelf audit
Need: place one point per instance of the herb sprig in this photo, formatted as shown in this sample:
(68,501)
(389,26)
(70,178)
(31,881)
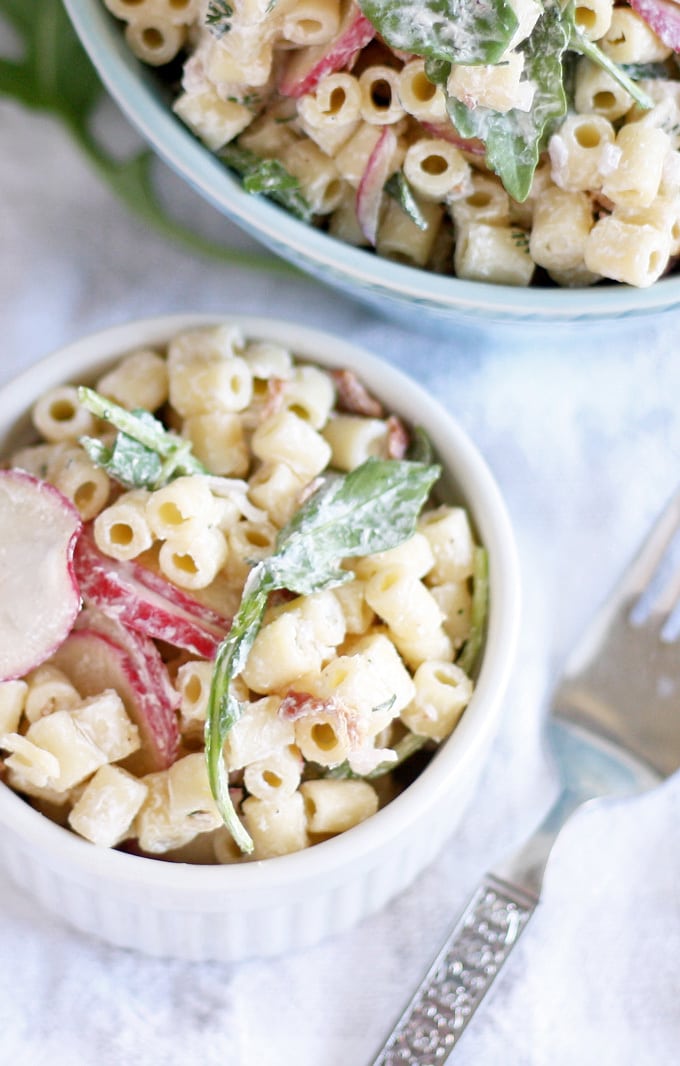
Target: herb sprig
(144,453)
(218,17)
(268,177)
(371,509)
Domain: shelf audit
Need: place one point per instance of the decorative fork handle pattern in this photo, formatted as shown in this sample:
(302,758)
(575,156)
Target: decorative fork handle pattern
(460,976)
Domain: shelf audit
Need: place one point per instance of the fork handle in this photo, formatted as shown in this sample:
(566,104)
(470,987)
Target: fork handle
(460,976)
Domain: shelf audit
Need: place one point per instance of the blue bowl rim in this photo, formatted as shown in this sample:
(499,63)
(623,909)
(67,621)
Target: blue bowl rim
(128,82)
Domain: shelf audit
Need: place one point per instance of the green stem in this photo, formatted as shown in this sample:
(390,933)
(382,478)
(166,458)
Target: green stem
(131,183)
(580,43)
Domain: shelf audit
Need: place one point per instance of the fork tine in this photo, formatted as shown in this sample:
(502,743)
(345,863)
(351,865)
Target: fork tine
(641,570)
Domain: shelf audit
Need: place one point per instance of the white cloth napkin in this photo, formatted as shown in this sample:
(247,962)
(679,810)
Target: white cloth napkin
(582,430)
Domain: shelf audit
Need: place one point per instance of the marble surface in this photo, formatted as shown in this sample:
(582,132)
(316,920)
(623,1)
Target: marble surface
(583,433)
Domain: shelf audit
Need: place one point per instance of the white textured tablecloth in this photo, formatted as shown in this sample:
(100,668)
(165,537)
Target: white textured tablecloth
(583,434)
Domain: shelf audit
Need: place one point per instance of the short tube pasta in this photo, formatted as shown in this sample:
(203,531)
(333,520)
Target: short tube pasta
(192,560)
(310,22)
(443,690)
(627,252)
(380,104)
(335,806)
(562,222)
(436,169)
(81,481)
(122,529)
(498,254)
(418,96)
(139,380)
(58,416)
(155,42)
(629,39)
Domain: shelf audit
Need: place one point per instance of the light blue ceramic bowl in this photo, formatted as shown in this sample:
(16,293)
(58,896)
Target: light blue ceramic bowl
(415,297)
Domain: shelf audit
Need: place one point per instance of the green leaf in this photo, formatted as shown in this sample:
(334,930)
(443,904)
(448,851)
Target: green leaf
(126,461)
(467,660)
(144,448)
(268,177)
(371,509)
(514,140)
(224,710)
(407,746)
(55,76)
(459,31)
(399,189)
(421,449)
(437,71)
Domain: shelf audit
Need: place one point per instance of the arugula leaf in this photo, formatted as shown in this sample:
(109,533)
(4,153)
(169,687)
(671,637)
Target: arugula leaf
(514,140)
(455,30)
(407,746)
(55,75)
(399,189)
(127,461)
(145,454)
(371,509)
(421,449)
(480,605)
(437,71)
(269,177)
(638,71)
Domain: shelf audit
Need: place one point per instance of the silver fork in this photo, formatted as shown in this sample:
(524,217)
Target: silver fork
(614,730)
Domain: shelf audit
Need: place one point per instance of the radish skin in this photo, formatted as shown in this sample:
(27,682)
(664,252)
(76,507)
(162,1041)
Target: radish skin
(370,191)
(101,653)
(144,601)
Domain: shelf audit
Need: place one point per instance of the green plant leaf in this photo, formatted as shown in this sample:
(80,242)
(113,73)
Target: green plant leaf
(515,139)
(455,30)
(268,177)
(144,454)
(399,189)
(371,509)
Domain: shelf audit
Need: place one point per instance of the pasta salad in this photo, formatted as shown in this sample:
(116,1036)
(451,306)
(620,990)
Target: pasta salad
(237,617)
(506,141)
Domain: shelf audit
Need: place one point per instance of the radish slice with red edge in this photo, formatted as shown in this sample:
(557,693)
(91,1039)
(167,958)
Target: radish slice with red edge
(39,595)
(662,16)
(145,602)
(370,191)
(101,654)
(308,66)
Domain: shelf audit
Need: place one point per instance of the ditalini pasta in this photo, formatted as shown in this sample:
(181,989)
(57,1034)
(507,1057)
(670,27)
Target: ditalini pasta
(249,654)
(445,141)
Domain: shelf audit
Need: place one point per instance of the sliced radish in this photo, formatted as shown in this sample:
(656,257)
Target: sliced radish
(39,596)
(144,601)
(662,16)
(446,132)
(370,191)
(308,66)
(101,653)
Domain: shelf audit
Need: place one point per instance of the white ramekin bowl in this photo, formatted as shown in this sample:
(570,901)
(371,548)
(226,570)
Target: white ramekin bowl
(267,907)
(418,298)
